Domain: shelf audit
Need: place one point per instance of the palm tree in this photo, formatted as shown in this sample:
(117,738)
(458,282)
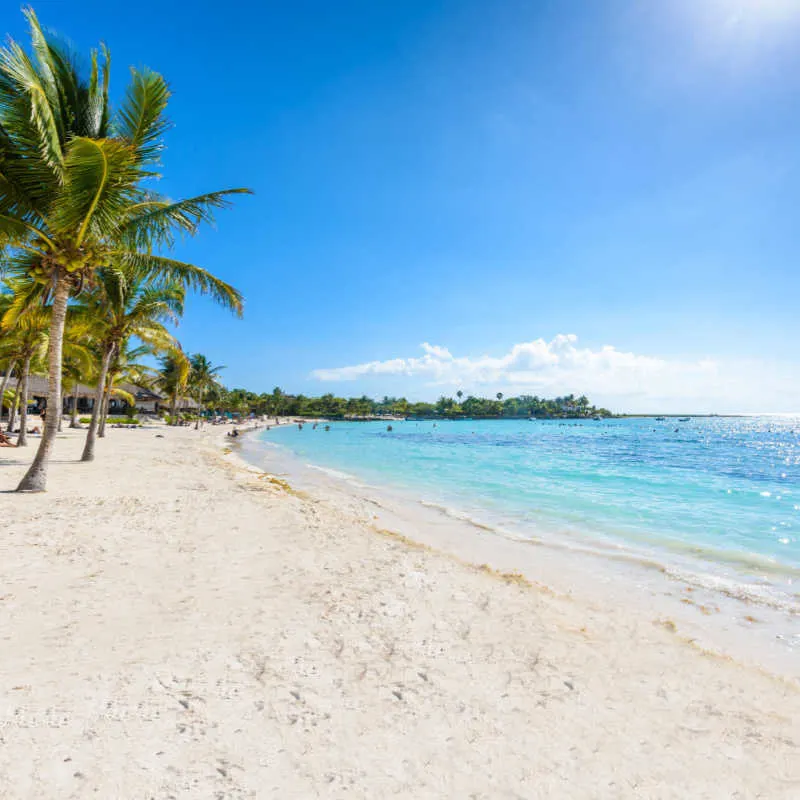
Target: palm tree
(173,377)
(277,403)
(203,378)
(126,368)
(10,366)
(12,400)
(123,305)
(73,371)
(27,343)
(217,397)
(8,363)
(72,193)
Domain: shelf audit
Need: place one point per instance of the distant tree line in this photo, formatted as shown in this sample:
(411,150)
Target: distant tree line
(278,403)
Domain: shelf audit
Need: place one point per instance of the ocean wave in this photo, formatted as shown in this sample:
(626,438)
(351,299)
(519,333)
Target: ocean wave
(339,475)
(533,500)
(760,594)
(769,593)
(463,516)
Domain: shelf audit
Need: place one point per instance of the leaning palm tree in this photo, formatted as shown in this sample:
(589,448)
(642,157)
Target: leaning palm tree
(73,196)
(124,305)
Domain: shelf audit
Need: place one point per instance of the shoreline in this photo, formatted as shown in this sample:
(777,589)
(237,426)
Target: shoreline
(177,624)
(714,616)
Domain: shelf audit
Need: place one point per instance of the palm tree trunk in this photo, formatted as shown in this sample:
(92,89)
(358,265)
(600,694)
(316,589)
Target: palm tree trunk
(4,385)
(73,422)
(173,407)
(61,412)
(22,439)
(35,479)
(101,430)
(88,450)
(12,413)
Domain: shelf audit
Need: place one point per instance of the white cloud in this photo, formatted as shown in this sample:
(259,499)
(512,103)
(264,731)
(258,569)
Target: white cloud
(536,364)
(623,380)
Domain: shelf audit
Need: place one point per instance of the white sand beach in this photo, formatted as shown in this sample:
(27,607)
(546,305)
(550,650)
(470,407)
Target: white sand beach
(174,625)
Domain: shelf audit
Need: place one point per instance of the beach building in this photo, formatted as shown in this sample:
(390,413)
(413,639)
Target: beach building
(148,401)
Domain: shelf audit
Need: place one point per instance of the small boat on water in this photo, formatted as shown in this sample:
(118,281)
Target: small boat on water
(684,419)
(660,419)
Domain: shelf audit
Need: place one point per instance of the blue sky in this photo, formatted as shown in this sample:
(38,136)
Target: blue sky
(480,176)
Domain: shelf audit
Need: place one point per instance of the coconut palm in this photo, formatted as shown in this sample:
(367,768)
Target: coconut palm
(124,305)
(126,369)
(27,343)
(216,397)
(8,363)
(203,377)
(72,189)
(73,372)
(173,377)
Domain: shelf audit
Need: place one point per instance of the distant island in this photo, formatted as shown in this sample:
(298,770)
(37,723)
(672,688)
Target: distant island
(278,403)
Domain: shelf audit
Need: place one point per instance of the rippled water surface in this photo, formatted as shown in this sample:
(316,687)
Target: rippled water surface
(715,490)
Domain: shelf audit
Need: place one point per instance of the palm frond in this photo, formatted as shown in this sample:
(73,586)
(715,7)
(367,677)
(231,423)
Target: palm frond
(163,303)
(192,277)
(155,221)
(22,81)
(122,394)
(13,230)
(141,118)
(99,184)
(26,305)
(28,183)
(79,360)
(156,338)
(57,77)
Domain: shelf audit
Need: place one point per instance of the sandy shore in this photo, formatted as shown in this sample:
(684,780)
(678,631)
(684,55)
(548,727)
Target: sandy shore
(174,625)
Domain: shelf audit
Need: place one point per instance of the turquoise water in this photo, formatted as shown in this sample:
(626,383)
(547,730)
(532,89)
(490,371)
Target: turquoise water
(720,490)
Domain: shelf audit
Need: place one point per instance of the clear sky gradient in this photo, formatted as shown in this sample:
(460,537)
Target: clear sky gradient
(480,176)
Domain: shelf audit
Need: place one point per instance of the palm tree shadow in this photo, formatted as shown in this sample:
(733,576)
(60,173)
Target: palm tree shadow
(15,463)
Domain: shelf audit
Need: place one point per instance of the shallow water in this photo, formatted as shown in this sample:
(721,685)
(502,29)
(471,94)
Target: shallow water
(715,500)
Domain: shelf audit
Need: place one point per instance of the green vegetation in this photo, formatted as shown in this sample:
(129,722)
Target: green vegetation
(114,421)
(278,403)
(82,230)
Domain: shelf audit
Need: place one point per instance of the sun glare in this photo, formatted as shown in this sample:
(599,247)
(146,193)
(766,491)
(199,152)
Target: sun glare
(747,19)
(740,35)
